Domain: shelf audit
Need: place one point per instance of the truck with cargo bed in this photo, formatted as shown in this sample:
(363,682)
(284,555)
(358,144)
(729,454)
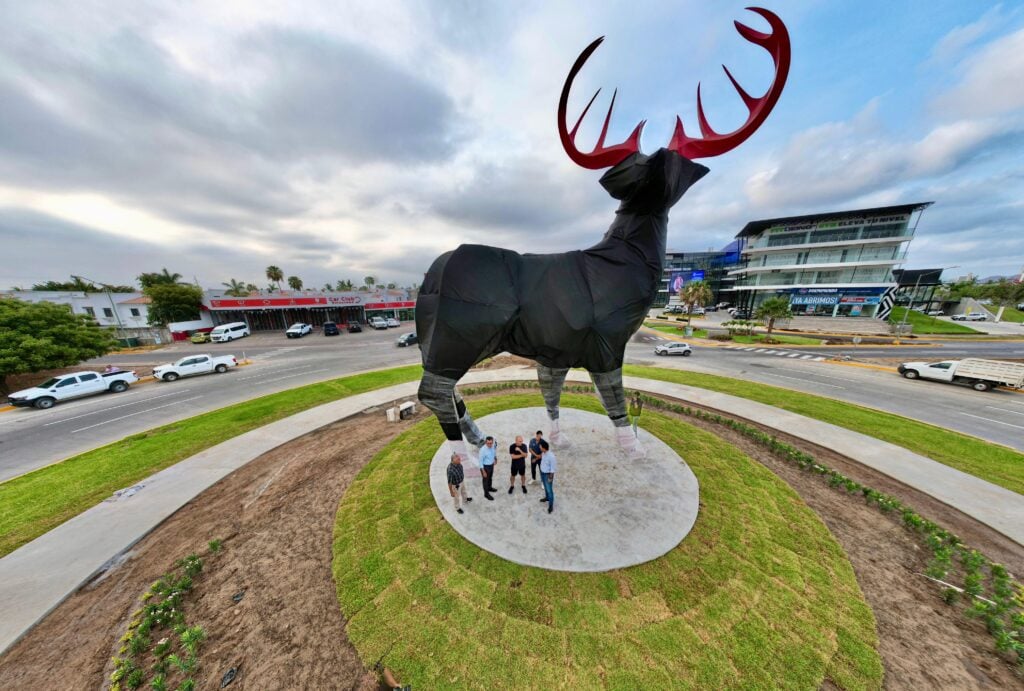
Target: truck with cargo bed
(981,375)
(74,385)
(193,365)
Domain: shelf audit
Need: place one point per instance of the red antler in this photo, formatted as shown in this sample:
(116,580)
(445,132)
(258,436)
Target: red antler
(713,144)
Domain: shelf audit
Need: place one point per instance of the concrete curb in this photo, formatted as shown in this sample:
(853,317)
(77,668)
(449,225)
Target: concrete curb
(38,576)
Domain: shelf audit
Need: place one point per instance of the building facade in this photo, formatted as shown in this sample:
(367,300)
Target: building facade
(278,310)
(834,264)
(118,310)
(712,267)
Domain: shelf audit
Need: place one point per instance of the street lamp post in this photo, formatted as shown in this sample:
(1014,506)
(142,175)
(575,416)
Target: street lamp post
(917,283)
(113,307)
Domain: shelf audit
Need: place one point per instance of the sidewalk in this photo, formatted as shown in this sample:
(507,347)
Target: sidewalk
(40,575)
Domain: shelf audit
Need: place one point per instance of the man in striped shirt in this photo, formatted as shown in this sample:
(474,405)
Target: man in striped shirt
(456,488)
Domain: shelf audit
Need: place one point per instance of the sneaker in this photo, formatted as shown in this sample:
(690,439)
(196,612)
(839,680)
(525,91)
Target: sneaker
(544,500)
(510,489)
(524,489)
(459,511)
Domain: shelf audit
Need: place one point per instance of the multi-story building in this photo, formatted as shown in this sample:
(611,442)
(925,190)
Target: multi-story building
(123,310)
(711,266)
(830,264)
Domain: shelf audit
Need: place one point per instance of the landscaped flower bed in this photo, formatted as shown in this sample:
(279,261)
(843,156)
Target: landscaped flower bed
(758,594)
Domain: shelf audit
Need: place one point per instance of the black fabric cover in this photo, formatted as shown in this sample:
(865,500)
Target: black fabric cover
(574,309)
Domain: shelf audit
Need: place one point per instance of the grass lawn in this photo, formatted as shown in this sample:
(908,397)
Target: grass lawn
(997,464)
(923,324)
(1011,314)
(758,595)
(777,339)
(38,501)
(675,328)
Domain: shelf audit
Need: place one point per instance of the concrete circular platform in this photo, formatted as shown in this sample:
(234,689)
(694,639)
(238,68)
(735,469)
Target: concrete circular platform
(610,512)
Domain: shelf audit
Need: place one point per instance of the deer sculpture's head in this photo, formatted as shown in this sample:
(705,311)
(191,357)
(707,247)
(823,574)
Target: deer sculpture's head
(712,144)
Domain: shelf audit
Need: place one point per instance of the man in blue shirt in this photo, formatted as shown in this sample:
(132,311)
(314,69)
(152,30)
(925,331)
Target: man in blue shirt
(488,457)
(548,466)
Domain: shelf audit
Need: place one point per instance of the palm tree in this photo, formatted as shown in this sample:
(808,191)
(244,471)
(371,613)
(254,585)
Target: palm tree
(236,289)
(772,309)
(251,287)
(275,274)
(328,287)
(295,283)
(369,281)
(695,293)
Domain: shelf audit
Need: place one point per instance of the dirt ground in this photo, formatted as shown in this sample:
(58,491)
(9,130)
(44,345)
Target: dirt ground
(276,515)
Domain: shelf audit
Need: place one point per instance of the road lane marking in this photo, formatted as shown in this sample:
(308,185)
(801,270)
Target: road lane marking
(289,376)
(998,422)
(826,376)
(140,412)
(1011,412)
(114,407)
(804,381)
(274,371)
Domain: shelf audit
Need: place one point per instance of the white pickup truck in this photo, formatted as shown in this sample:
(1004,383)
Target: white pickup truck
(981,375)
(67,386)
(194,364)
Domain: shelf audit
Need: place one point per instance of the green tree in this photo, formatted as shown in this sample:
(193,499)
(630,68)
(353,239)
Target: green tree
(42,335)
(174,303)
(695,293)
(295,283)
(369,282)
(275,274)
(80,285)
(391,286)
(163,278)
(771,309)
(328,287)
(1003,292)
(235,289)
(251,287)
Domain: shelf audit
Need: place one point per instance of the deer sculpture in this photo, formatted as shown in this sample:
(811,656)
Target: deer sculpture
(578,308)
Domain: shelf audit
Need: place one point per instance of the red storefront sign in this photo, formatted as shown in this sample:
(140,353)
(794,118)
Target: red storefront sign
(405,305)
(264,303)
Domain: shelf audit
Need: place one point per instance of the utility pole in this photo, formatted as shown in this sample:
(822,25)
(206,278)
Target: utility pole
(113,307)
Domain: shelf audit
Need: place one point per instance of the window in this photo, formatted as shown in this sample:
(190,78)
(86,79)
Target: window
(87,377)
(786,239)
(941,365)
(107,312)
(90,311)
(135,312)
(67,382)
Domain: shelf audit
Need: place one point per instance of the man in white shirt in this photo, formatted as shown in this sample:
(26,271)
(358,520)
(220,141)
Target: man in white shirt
(548,466)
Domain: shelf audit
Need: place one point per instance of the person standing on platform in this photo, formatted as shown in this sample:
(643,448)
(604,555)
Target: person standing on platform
(456,488)
(636,407)
(518,452)
(548,466)
(488,461)
(535,454)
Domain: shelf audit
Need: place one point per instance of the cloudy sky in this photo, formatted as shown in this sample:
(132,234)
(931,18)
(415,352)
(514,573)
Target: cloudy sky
(341,139)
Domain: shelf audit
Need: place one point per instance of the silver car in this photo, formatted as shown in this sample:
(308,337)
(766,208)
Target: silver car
(673,349)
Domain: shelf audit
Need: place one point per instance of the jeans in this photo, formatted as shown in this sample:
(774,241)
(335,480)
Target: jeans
(533,468)
(549,490)
(636,421)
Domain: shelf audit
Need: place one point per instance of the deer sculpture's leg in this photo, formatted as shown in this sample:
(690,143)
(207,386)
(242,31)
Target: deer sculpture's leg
(468,427)
(613,397)
(551,381)
(438,394)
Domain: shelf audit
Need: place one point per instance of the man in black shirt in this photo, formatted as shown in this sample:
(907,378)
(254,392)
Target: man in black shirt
(456,488)
(535,454)
(518,453)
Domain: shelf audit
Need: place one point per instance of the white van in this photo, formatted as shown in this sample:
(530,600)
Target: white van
(229,332)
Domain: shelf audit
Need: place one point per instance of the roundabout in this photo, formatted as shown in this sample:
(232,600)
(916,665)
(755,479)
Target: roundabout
(610,512)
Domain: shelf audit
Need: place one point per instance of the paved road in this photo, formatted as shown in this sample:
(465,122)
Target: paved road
(32,438)
(994,415)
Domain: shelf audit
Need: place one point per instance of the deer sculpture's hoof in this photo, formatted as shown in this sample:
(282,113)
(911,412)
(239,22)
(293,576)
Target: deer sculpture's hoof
(630,444)
(558,437)
(463,451)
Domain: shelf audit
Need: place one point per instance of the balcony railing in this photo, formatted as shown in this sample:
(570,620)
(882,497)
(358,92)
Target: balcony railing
(814,238)
(859,255)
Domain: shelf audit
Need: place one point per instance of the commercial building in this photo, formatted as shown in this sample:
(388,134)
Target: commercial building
(711,266)
(277,310)
(835,264)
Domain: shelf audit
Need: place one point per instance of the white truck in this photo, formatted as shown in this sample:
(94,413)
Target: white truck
(194,364)
(68,386)
(981,375)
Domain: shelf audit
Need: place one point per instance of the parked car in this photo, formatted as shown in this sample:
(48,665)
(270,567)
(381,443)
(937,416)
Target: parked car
(229,332)
(970,317)
(200,337)
(379,323)
(298,330)
(741,314)
(698,311)
(406,340)
(711,308)
(674,309)
(981,375)
(673,349)
(331,329)
(194,364)
(393,323)
(354,328)
(68,386)
(935,313)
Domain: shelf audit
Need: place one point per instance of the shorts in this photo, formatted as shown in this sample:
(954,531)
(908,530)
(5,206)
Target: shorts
(518,466)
